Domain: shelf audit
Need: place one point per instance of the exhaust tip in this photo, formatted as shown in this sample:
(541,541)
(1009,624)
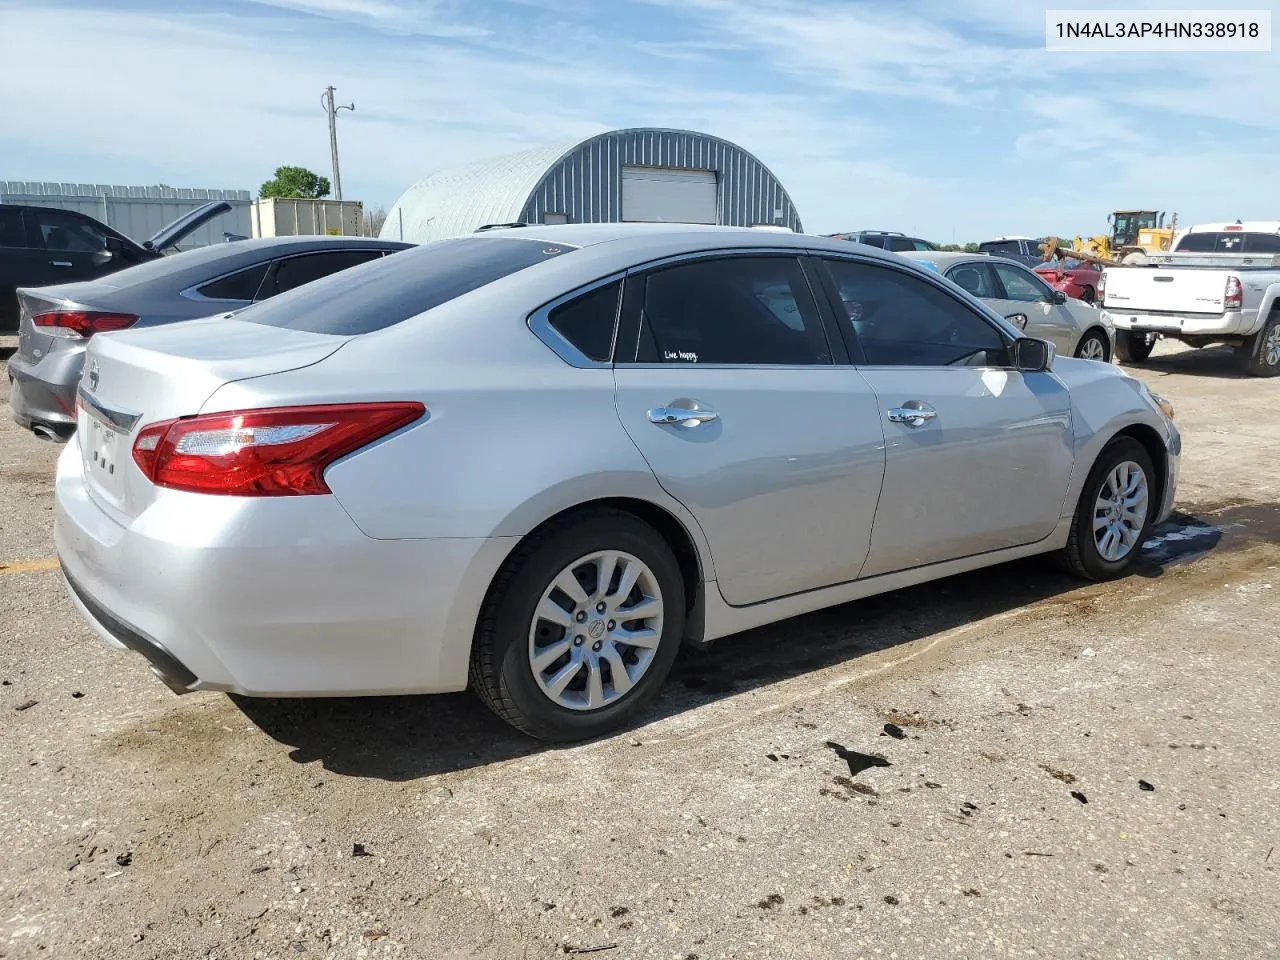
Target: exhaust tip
(49,433)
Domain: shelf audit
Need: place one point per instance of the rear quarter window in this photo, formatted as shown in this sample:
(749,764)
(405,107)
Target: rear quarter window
(388,291)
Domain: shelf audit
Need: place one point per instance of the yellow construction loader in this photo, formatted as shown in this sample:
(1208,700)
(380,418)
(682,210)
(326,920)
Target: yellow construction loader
(1134,235)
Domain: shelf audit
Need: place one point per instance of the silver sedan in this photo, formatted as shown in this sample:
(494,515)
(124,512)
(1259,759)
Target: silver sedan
(1076,328)
(537,461)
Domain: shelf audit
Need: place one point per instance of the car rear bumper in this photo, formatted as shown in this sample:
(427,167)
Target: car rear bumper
(43,393)
(1233,323)
(272,596)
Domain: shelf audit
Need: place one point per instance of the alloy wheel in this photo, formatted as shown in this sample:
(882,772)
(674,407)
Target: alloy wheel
(1093,349)
(1120,511)
(596,630)
(1271,346)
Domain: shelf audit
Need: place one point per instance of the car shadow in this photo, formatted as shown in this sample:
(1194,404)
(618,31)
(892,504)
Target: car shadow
(406,738)
(1221,362)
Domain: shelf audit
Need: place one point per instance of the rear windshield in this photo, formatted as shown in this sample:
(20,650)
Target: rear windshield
(391,290)
(1233,241)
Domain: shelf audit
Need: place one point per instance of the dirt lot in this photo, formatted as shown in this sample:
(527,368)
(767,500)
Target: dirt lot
(1085,772)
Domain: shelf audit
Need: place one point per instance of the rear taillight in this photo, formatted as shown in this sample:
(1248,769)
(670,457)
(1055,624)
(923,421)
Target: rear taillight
(1102,284)
(1234,298)
(82,323)
(282,451)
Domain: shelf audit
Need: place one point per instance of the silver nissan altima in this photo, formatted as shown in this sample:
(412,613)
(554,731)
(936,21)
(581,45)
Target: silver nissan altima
(537,460)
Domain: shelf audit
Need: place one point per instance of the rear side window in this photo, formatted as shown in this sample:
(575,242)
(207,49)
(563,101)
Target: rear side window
(11,231)
(242,285)
(381,294)
(900,244)
(1001,246)
(587,322)
(293,272)
(740,310)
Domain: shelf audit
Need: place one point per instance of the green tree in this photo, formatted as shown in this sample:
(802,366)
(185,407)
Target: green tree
(295,182)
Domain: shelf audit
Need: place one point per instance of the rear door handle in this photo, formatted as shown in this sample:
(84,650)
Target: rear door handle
(60,263)
(913,413)
(682,416)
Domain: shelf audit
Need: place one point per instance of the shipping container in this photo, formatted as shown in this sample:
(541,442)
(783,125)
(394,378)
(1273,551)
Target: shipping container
(287,217)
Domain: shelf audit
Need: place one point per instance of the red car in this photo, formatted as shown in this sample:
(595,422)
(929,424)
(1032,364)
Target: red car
(1075,278)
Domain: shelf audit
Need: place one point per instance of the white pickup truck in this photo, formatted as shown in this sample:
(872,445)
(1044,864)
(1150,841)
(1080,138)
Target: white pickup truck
(1221,284)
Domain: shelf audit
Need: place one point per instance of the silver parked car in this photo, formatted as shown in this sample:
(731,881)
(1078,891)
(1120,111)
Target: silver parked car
(535,461)
(1019,294)
(56,322)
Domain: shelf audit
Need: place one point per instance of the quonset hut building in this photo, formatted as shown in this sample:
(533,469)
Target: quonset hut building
(640,175)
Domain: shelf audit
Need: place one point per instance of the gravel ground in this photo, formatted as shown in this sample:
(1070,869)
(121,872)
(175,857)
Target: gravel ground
(1082,772)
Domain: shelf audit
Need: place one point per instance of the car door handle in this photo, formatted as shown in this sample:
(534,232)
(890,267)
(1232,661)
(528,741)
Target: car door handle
(913,413)
(60,263)
(682,416)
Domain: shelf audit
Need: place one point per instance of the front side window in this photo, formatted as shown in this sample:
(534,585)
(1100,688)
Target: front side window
(1021,285)
(68,234)
(901,320)
(747,310)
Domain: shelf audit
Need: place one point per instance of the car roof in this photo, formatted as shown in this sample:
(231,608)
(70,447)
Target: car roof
(948,258)
(1004,239)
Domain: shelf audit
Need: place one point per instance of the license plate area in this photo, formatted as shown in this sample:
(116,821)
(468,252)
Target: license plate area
(103,448)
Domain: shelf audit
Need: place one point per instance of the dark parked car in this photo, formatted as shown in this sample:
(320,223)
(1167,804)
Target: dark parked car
(886,240)
(43,245)
(57,321)
(1023,249)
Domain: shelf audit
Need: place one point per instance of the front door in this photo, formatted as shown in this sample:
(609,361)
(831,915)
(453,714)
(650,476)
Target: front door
(978,455)
(75,247)
(1022,291)
(736,405)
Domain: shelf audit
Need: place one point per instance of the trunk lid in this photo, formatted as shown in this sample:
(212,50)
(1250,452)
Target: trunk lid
(179,229)
(1166,290)
(136,378)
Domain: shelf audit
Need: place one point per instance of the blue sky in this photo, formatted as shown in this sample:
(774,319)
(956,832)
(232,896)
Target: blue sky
(947,119)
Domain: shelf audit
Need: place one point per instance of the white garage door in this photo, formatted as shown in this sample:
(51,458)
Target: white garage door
(655,195)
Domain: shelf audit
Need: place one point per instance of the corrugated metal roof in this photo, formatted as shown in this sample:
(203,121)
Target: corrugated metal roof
(457,200)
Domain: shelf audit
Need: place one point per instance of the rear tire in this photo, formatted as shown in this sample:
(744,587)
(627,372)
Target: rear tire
(578,640)
(1131,348)
(1262,355)
(1094,346)
(1114,512)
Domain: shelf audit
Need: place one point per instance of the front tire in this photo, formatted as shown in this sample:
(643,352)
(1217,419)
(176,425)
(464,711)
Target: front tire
(1114,512)
(581,627)
(1134,348)
(1094,346)
(1262,356)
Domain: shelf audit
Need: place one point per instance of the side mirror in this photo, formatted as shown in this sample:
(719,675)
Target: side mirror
(1019,320)
(115,246)
(1032,356)
(1059,297)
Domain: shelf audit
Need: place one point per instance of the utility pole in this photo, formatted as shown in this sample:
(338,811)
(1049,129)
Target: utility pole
(326,100)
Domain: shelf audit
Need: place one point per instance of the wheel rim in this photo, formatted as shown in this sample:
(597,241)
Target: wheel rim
(1093,349)
(1272,346)
(1120,511)
(596,630)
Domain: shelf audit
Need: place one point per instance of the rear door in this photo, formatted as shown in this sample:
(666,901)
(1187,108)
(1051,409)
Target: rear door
(978,455)
(732,393)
